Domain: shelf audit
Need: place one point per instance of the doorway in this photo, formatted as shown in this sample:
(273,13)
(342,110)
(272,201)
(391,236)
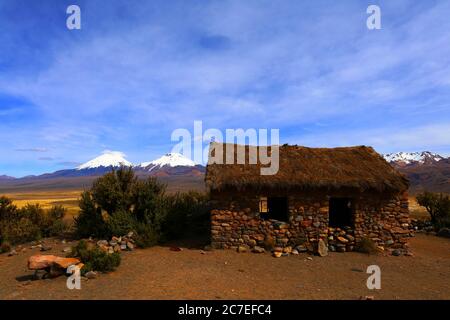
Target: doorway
(340,212)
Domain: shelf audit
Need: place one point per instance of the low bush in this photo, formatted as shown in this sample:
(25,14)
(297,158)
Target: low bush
(187,214)
(437,206)
(119,203)
(30,222)
(94,258)
(5,247)
(367,245)
(90,220)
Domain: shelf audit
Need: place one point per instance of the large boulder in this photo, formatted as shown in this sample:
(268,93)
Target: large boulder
(40,262)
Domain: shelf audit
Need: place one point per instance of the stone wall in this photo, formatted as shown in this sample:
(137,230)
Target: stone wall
(235,220)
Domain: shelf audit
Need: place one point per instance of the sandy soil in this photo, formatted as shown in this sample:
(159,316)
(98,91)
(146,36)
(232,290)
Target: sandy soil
(158,273)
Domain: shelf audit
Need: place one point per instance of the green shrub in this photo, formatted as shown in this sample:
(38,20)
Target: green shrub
(30,222)
(5,247)
(145,235)
(141,206)
(187,214)
(95,259)
(367,245)
(120,223)
(438,207)
(23,230)
(90,221)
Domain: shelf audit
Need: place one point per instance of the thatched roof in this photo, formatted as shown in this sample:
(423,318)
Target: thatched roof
(358,167)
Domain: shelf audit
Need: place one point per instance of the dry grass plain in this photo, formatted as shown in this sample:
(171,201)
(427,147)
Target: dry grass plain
(46,199)
(69,199)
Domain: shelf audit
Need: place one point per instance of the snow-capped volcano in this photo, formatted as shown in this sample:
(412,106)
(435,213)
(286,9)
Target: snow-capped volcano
(412,157)
(107,159)
(168,160)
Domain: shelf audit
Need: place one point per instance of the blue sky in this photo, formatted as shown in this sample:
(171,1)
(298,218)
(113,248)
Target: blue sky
(136,71)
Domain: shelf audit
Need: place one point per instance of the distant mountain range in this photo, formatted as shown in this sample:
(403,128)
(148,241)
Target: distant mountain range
(425,170)
(179,172)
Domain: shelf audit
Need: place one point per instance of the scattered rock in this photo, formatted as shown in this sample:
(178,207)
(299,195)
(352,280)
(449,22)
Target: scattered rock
(257,249)
(309,258)
(277,254)
(175,249)
(241,249)
(12,253)
(301,248)
(91,275)
(130,246)
(287,249)
(123,247)
(367,298)
(101,243)
(67,249)
(396,252)
(39,274)
(322,248)
(342,239)
(294,252)
(46,248)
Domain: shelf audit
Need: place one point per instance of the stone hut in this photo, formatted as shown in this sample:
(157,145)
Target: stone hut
(339,195)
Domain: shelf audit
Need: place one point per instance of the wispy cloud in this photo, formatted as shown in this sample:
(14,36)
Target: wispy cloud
(31,150)
(129,79)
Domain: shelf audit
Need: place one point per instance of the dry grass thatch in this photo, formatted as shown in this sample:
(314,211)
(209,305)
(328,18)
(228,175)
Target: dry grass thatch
(359,167)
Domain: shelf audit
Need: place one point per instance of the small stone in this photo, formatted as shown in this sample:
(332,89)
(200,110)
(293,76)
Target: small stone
(102,243)
(12,253)
(396,252)
(309,258)
(91,275)
(350,237)
(130,246)
(257,249)
(301,248)
(112,243)
(123,247)
(322,248)
(342,239)
(110,250)
(241,249)
(67,250)
(277,254)
(287,249)
(278,249)
(117,248)
(39,274)
(294,252)
(45,248)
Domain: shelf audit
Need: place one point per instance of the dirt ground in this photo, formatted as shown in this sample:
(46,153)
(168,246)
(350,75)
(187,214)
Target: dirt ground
(159,273)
